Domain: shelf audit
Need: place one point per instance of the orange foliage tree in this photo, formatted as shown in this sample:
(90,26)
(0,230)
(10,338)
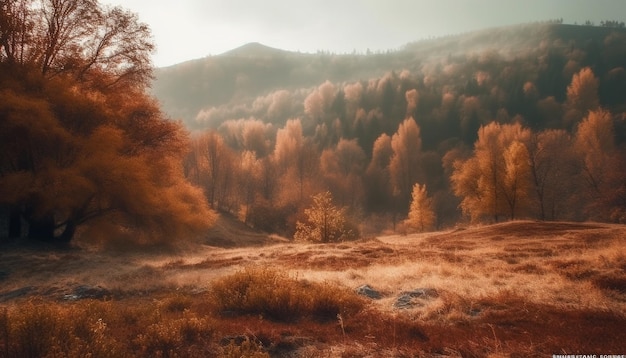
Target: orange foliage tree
(496,180)
(421,215)
(81,141)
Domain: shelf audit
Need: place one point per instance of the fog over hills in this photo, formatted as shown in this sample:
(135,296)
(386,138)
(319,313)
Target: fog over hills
(208,91)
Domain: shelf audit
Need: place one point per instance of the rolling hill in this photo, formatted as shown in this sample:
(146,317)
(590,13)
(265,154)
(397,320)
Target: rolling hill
(512,289)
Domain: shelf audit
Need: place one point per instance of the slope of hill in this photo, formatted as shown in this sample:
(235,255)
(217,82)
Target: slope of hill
(228,231)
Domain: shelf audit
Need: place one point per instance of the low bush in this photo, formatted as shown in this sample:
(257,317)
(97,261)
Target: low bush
(279,297)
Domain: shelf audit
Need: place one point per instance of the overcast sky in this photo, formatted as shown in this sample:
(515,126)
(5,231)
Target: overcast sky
(190,29)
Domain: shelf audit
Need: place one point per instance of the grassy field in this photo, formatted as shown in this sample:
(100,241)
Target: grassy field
(513,289)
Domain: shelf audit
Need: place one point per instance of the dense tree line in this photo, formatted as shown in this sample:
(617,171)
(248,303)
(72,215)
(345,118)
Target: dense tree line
(83,147)
(505,145)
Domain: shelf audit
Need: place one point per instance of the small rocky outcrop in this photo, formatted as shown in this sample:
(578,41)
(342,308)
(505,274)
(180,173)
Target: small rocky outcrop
(85,292)
(20,292)
(409,299)
(369,292)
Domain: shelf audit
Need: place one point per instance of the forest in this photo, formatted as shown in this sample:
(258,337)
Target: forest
(531,130)
(526,122)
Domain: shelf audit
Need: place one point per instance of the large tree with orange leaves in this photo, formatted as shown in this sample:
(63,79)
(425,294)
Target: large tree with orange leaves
(496,180)
(81,141)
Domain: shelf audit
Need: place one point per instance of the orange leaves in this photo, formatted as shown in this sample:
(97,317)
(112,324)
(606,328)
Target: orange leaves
(582,93)
(325,222)
(492,181)
(71,159)
(421,214)
(404,166)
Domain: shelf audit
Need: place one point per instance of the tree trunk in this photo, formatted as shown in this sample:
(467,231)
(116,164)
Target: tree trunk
(44,230)
(15,223)
(41,229)
(68,233)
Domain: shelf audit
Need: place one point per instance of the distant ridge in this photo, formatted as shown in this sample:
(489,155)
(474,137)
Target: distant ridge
(254,49)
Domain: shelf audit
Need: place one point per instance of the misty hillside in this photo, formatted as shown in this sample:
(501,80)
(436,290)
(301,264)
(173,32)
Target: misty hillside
(206,92)
(277,128)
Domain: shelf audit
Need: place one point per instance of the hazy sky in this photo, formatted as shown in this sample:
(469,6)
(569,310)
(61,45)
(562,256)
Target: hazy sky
(189,29)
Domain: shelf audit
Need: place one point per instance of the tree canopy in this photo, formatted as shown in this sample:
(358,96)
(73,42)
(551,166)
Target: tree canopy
(81,141)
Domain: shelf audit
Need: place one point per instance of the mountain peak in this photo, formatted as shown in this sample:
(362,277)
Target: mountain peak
(254,49)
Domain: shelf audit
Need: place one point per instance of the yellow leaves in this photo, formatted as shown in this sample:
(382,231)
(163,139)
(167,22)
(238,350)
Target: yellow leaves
(67,158)
(325,222)
(421,215)
(289,140)
(404,166)
(595,143)
(582,93)
(465,183)
(493,180)
(595,133)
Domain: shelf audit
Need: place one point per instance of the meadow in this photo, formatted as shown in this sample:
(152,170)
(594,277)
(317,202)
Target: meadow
(514,289)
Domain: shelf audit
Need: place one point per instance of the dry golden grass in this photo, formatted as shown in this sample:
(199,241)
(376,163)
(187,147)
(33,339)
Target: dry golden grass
(519,288)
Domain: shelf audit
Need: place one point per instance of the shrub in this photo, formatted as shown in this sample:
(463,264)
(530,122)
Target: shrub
(279,297)
(170,338)
(247,349)
(36,329)
(102,329)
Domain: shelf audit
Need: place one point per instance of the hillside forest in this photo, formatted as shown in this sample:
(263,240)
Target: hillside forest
(525,122)
(472,131)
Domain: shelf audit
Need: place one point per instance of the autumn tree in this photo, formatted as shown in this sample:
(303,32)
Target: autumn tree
(552,165)
(421,214)
(377,177)
(495,181)
(250,172)
(404,166)
(82,143)
(324,222)
(343,168)
(106,47)
(601,164)
(210,165)
(517,178)
(296,159)
(319,101)
(124,167)
(582,96)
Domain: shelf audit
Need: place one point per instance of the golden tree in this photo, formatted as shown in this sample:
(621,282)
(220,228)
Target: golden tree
(602,164)
(377,177)
(324,222)
(517,183)
(495,180)
(421,214)
(343,169)
(582,95)
(552,166)
(404,166)
(81,141)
